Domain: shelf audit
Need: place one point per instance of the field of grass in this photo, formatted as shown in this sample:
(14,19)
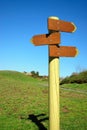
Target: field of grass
(24,103)
(73,113)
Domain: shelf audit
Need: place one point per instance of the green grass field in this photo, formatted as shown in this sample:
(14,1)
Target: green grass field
(24,103)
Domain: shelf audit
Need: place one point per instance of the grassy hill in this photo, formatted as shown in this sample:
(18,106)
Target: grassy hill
(24,103)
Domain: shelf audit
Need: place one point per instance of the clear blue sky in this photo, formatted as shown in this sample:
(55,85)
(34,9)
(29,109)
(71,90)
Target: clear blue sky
(22,19)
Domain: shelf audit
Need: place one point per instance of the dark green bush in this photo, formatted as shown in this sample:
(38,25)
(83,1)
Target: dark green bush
(76,78)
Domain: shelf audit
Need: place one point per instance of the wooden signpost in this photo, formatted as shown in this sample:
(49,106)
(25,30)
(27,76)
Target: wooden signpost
(55,26)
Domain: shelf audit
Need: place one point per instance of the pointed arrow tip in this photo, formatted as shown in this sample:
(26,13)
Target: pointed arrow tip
(77,52)
(74,27)
(31,40)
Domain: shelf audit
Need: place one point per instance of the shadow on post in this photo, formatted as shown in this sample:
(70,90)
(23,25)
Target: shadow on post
(38,122)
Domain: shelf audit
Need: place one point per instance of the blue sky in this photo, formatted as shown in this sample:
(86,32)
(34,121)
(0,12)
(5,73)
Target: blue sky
(22,19)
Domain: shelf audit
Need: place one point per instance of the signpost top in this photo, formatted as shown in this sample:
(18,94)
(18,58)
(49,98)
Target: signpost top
(55,26)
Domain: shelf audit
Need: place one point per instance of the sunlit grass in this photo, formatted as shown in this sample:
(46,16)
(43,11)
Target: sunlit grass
(22,97)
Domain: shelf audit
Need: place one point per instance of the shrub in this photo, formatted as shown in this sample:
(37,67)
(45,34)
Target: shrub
(76,78)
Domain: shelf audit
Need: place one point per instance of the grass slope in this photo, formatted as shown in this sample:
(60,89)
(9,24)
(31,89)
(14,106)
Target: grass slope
(24,103)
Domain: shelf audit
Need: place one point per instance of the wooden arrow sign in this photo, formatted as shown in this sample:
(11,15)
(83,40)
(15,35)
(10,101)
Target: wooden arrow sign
(60,25)
(45,39)
(62,51)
